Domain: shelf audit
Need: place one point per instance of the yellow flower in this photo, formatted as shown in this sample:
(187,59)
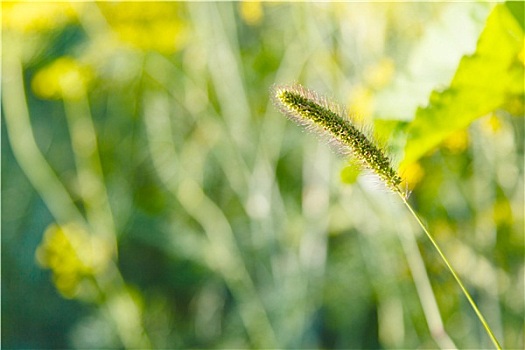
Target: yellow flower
(155,26)
(29,17)
(412,174)
(457,142)
(64,78)
(73,256)
(251,12)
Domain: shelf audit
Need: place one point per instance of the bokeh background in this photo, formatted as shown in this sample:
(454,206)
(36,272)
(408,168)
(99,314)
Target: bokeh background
(152,196)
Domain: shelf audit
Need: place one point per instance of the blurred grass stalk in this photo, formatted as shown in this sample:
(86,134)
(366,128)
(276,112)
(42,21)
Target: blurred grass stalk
(89,170)
(421,279)
(118,302)
(221,252)
(453,272)
(22,140)
(181,170)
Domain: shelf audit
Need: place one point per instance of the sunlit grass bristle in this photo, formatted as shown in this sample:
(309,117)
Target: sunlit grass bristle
(307,108)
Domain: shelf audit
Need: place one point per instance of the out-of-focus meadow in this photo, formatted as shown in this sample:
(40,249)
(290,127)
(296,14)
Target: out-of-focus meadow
(152,196)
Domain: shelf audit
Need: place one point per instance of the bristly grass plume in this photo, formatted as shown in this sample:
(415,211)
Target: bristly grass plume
(305,107)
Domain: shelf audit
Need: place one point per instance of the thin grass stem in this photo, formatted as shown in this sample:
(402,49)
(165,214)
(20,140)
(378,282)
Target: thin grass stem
(453,272)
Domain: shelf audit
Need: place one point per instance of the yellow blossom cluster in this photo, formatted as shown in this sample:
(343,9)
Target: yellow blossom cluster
(75,258)
(32,17)
(63,78)
(159,26)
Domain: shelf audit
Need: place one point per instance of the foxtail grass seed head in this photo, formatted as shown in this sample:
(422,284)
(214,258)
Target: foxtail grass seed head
(306,108)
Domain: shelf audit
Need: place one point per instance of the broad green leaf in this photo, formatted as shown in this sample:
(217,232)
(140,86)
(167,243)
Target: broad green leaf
(482,83)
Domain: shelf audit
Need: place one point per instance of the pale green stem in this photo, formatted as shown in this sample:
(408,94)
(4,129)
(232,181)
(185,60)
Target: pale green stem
(453,272)
(22,139)
(223,252)
(56,197)
(89,168)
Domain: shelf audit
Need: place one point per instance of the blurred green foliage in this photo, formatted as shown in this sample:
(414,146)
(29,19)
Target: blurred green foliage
(483,82)
(153,198)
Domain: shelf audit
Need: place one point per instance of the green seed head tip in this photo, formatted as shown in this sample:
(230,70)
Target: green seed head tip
(306,108)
